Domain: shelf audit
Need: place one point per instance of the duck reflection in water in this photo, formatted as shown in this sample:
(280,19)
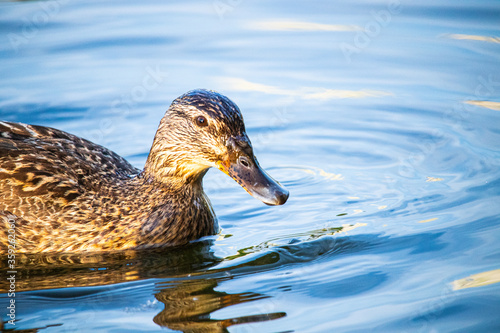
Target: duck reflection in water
(188,305)
(186,290)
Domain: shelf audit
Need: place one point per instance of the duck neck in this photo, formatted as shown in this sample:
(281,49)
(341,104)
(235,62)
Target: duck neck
(167,163)
(177,211)
(163,171)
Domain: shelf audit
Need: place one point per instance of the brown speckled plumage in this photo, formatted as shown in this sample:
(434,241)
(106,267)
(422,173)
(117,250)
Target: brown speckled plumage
(64,193)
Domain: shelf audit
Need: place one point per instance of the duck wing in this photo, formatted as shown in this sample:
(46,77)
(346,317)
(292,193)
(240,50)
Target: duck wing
(37,161)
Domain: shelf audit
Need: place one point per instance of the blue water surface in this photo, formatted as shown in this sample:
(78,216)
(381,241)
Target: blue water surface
(381,118)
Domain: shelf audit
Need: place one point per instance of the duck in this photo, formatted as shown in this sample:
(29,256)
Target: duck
(63,193)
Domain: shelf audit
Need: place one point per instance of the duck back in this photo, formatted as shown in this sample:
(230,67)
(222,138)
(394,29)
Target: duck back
(44,170)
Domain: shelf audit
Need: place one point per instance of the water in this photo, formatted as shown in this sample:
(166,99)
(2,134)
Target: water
(382,119)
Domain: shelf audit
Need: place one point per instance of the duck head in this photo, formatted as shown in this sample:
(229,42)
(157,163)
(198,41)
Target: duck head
(204,129)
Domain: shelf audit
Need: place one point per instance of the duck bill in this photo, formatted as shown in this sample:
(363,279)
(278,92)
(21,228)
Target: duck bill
(255,180)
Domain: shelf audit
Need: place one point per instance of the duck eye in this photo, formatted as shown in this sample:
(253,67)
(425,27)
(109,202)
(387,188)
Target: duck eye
(244,161)
(201,121)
